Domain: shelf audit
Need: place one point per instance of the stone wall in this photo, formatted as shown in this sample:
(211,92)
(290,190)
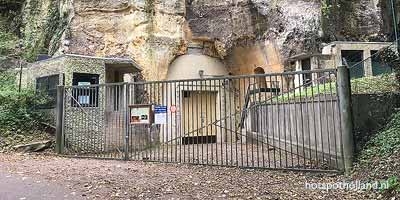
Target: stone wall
(65,66)
(155,32)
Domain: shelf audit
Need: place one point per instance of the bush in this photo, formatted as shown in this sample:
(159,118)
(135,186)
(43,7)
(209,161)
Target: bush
(18,110)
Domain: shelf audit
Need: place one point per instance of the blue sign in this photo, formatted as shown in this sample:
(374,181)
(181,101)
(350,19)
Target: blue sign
(160,109)
(160,114)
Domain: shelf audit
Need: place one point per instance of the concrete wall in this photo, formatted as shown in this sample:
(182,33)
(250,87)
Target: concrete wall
(371,112)
(335,49)
(86,129)
(309,129)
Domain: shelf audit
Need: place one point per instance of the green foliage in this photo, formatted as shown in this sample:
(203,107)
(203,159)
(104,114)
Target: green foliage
(309,92)
(391,57)
(326,8)
(18,113)
(384,143)
(8,42)
(385,83)
(393,184)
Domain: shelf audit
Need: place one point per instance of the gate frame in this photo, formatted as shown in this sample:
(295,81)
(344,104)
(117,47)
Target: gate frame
(343,93)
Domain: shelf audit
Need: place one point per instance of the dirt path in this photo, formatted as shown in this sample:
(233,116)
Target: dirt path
(110,179)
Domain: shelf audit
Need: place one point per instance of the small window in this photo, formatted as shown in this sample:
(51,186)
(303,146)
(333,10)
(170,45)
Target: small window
(186,94)
(47,86)
(85,95)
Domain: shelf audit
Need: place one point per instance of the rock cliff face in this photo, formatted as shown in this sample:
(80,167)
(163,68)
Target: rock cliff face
(243,33)
(148,31)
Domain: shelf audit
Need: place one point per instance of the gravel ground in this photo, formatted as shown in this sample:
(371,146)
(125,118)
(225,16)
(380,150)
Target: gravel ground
(112,179)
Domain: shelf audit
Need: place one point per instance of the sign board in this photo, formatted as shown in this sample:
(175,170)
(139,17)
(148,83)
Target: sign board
(160,114)
(173,109)
(140,114)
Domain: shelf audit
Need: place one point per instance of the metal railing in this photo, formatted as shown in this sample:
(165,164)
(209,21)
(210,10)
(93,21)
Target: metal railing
(275,121)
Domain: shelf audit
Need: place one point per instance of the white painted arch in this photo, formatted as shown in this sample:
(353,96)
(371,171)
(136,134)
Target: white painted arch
(188,67)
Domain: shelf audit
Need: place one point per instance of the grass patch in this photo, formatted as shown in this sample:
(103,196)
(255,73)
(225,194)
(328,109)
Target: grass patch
(367,85)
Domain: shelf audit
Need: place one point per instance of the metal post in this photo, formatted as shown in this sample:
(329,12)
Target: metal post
(126,91)
(346,119)
(60,117)
(394,18)
(20,75)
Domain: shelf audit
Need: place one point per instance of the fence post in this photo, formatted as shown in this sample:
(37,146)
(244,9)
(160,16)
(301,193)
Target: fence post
(60,119)
(126,91)
(346,118)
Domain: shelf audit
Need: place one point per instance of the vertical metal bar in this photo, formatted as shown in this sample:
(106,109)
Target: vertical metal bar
(295,105)
(92,124)
(278,122)
(241,110)
(225,81)
(266,121)
(177,129)
(120,130)
(209,143)
(333,108)
(235,98)
(284,120)
(301,102)
(193,121)
(169,121)
(217,121)
(60,121)
(199,110)
(231,118)
(126,126)
(288,105)
(326,119)
(320,116)
(203,123)
(185,104)
(152,101)
(307,112)
(262,115)
(247,113)
(220,118)
(207,121)
(313,122)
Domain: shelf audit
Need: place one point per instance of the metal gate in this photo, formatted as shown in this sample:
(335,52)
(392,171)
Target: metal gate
(281,121)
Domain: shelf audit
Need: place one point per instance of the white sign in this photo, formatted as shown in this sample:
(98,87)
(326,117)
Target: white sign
(140,115)
(160,114)
(83,99)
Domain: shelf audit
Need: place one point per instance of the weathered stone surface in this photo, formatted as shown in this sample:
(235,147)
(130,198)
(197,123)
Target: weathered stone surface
(155,32)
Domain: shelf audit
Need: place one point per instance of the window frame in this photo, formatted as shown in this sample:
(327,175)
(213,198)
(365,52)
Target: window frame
(43,86)
(90,92)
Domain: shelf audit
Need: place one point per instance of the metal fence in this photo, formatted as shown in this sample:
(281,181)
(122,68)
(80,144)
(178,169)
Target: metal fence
(282,121)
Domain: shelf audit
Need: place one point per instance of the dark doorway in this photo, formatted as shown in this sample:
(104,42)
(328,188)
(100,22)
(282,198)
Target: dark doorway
(354,59)
(306,66)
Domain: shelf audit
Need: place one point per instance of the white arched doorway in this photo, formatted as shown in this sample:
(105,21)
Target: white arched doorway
(199,102)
